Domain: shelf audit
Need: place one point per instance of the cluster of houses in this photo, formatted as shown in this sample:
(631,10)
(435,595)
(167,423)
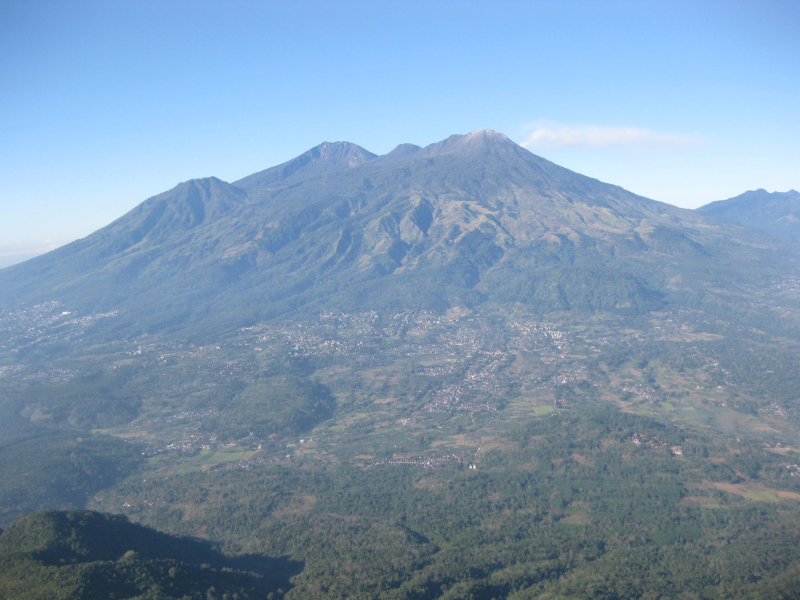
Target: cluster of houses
(639,439)
(428,462)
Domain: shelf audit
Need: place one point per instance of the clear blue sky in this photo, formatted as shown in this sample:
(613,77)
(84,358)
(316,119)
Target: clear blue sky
(103,104)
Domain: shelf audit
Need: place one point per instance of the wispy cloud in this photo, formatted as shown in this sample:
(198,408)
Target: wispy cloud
(8,250)
(546,134)
(12,253)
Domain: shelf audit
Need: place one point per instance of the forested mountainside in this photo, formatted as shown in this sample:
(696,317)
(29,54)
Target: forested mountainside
(466,221)
(458,371)
(776,213)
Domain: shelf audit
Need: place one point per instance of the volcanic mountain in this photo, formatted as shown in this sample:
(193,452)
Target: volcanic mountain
(776,213)
(472,219)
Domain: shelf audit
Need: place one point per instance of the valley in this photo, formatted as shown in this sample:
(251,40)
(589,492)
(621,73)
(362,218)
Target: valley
(417,368)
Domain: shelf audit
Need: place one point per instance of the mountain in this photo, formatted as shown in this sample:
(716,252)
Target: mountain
(86,554)
(777,213)
(457,371)
(472,219)
(322,159)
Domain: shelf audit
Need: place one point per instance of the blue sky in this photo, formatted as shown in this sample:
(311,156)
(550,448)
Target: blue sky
(103,104)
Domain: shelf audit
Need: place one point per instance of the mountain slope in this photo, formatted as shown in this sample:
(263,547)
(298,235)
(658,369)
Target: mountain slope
(85,554)
(321,159)
(470,219)
(777,213)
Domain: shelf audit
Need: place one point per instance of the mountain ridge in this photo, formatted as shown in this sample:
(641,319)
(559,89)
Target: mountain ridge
(777,213)
(465,220)
(320,159)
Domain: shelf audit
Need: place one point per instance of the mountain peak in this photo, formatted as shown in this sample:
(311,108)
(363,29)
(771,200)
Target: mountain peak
(341,153)
(487,134)
(200,183)
(324,158)
(404,150)
(777,213)
(399,154)
(476,209)
(482,141)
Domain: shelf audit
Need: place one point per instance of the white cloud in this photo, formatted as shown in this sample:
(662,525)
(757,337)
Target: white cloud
(545,134)
(15,252)
(12,249)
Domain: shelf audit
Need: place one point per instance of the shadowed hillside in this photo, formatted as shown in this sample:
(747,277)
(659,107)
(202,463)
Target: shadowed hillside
(85,554)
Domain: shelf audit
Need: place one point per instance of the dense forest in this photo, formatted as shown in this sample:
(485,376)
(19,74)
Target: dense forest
(564,507)
(84,554)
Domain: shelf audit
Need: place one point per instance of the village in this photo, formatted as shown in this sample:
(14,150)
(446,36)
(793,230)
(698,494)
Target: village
(420,366)
(426,462)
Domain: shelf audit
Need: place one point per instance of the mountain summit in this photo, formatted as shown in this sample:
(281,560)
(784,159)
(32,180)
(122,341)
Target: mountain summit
(474,218)
(482,141)
(776,213)
(325,158)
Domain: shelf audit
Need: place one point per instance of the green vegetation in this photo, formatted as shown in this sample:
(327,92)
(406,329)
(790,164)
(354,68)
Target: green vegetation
(566,506)
(87,555)
(344,443)
(288,404)
(60,470)
(452,372)
(775,213)
(95,401)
